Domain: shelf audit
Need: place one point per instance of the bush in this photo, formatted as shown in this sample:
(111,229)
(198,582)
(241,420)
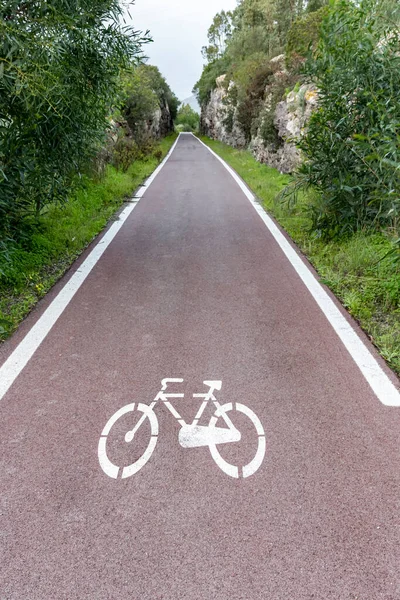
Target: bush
(140,100)
(59,75)
(145,91)
(183,128)
(352,147)
(248,93)
(126,151)
(187,119)
(303,37)
(207,82)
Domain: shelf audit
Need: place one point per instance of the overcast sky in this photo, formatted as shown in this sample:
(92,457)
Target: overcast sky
(179,29)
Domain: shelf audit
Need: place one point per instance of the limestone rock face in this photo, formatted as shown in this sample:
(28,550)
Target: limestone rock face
(161,123)
(215,114)
(290,117)
(290,120)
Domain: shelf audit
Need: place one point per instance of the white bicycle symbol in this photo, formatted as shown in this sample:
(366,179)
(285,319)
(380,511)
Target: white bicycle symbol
(190,436)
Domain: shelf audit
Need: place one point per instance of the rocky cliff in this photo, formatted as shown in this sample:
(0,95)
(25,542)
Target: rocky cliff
(214,117)
(278,124)
(161,123)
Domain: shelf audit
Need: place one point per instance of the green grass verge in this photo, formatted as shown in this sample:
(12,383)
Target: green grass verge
(60,236)
(352,268)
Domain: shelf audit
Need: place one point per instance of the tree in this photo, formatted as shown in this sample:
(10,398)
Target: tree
(207,81)
(243,41)
(145,91)
(303,37)
(139,100)
(352,146)
(60,65)
(187,119)
(257,12)
(218,35)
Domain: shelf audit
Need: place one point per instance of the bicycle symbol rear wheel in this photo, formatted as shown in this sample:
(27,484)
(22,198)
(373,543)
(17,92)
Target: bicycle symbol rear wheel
(255,463)
(109,467)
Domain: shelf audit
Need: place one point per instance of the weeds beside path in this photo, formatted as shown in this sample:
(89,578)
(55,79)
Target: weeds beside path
(61,235)
(354,268)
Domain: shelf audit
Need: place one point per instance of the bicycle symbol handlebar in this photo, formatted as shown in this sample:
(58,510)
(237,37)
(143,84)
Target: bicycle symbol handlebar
(166,382)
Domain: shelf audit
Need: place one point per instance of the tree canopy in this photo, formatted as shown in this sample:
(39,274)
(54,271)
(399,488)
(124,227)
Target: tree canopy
(243,40)
(187,119)
(60,65)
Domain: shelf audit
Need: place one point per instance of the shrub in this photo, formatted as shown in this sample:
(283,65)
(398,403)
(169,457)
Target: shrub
(187,119)
(208,80)
(251,80)
(140,100)
(59,75)
(145,91)
(126,151)
(352,147)
(229,119)
(276,93)
(184,128)
(303,37)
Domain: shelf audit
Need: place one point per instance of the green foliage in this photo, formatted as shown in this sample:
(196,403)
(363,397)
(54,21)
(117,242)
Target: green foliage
(187,119)
(207,81)
(259,86)
(251,84)
(59,75)
(230,102)
(249,37)
(29,269)
(282,81)
(352,145)
(303,36)
(144,91)
(140,100)
(287,11)
(256,32)
(267,129)
(389,10)
(315,5)
(164,94)
(251,74)
(126,151)
(248,42)
(218,35)
(174,104)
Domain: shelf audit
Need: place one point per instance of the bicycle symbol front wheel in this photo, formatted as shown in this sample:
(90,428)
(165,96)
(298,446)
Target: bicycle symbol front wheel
(109,467)
(255,463)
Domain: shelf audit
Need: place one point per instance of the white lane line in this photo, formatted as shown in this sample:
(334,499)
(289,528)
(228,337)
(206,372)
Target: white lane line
(380,383)
(141,191)
(18,360)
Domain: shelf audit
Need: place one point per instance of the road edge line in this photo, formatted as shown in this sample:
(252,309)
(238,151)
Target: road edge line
(382,386)
(22,354)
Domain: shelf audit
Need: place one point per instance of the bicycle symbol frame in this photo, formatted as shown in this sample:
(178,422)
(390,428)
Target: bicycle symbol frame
(190,435)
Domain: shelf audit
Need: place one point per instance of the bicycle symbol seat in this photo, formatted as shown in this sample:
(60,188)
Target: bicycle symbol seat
(191,435)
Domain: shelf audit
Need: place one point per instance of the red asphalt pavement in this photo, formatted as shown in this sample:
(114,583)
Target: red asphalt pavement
(195,287)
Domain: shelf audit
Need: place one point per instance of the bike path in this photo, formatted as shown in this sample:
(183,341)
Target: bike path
(194,286)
